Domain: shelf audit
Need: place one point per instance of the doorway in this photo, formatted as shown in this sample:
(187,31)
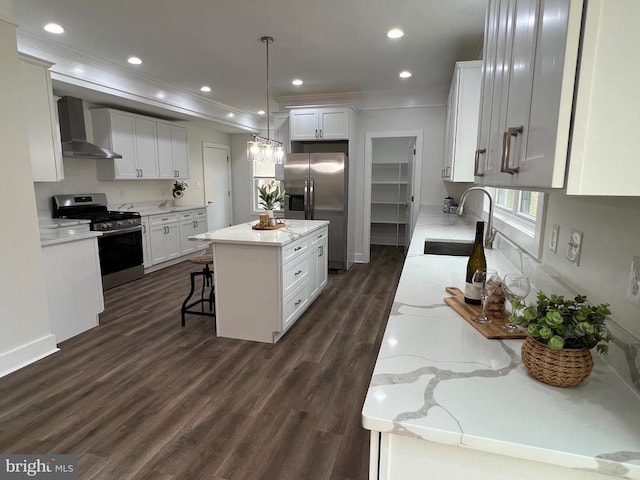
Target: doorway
(391,188)
(217,185)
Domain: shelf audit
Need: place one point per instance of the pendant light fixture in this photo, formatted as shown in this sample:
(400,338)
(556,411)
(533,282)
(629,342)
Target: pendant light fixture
(265,149)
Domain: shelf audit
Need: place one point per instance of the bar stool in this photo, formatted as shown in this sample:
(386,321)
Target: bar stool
(207,281)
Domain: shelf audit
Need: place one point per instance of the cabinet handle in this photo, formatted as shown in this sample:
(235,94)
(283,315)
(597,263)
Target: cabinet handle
(506,149)
(321,250)
(197,224)
(144,228)
(297,248)
(165,219)
(141,173)
(317,133)
(298,302)
(321,134)
(476,168)
(297,273)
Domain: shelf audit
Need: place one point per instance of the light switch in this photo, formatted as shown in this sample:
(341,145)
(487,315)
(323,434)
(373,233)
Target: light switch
(574,247)
(553,240)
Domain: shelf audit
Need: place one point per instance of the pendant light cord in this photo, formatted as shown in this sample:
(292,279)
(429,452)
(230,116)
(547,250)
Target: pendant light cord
(267,41)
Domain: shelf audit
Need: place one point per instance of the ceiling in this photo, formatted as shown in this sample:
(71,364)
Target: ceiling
(336,47)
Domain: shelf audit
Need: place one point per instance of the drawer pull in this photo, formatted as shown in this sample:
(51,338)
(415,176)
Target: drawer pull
(297,273)
(298,302)
(297,248)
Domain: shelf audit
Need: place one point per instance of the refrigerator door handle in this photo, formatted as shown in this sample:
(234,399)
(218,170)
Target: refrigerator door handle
(311,200)
(306,200)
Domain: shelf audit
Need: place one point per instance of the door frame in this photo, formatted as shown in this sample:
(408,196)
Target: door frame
(227,149)
(416,180)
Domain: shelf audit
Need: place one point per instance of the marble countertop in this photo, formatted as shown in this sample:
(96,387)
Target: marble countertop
(438,379)
(244,234)
(160,211)
(62,235)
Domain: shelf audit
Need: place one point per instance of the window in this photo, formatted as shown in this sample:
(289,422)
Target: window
(519,215)
(263,174)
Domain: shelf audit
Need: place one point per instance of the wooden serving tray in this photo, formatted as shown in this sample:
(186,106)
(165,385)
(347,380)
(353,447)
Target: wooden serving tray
(465,310)
(257,226)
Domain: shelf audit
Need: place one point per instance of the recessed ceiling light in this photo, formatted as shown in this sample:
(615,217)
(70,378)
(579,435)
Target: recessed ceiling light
(205,88)
(395,33)
(231,115)
(261,112)
(134,61)
(53,28)
(405,74)
(297,82)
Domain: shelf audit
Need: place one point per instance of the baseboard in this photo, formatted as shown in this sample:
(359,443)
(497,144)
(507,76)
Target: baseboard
(27,354)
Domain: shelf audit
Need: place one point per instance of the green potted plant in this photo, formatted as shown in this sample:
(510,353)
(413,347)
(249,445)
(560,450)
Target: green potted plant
(270,196)
(560,333)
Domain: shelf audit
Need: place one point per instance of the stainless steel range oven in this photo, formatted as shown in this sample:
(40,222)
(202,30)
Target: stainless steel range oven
(120,245)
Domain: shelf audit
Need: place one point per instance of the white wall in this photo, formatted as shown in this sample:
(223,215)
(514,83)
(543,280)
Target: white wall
(241,180)
(25,331)
(611,230)
(430,120)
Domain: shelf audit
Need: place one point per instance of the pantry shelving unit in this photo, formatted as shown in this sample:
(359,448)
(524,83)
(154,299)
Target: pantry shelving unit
(389,182)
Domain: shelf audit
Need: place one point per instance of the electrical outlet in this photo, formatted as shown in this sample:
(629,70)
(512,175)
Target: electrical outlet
(574,247)
(633,290)
(553,241)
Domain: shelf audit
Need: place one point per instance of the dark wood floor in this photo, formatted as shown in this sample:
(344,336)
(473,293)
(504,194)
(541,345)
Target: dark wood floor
(141,398)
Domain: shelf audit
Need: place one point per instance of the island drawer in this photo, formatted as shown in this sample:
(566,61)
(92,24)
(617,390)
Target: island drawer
(163,219)
(294,304)
(294,273)
(295,249)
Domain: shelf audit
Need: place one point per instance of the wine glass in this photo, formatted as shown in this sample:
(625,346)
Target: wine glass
(486,281)
(516,287)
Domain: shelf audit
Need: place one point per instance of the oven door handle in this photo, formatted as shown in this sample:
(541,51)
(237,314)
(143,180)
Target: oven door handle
(110,233)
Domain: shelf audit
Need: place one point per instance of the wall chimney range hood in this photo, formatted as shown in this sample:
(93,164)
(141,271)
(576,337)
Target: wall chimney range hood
(73,133)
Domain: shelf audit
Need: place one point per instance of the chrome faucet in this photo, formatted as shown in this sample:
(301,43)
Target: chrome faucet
(491,233)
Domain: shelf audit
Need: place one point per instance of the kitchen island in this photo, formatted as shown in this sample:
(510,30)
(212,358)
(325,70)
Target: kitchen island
(265,279)
(446,403)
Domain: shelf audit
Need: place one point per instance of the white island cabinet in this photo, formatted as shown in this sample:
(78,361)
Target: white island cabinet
(266,279)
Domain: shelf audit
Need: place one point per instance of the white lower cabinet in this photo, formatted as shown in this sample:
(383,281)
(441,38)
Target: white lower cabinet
(164,237)
(192,223)
(74,295)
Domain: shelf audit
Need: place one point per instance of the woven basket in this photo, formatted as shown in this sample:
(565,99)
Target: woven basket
(561,368)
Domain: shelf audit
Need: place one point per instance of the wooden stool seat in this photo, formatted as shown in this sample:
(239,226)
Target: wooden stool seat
(202,259)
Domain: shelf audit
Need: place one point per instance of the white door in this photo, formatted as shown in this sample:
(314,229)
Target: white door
(217,187)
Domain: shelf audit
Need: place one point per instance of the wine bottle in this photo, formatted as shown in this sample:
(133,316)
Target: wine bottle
(476,260)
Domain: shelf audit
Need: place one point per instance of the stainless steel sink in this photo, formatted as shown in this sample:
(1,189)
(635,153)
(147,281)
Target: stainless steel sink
(458,248)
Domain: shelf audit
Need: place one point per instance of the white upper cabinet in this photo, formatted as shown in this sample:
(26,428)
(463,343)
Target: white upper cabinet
(326,123)
(462,122)
(42,119)
(149,149)
(530,58)
(604,154)
(173,155)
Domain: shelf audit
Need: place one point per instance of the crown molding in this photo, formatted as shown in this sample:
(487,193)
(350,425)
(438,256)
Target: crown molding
(370,100)
(77,68)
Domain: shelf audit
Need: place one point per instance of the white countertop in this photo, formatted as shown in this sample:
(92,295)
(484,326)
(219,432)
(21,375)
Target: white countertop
(50,223)
(438,379)
(62,235)
(144,211)
(244,234)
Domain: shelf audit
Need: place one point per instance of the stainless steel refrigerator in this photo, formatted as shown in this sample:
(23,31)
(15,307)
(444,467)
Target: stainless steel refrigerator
(316,186)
